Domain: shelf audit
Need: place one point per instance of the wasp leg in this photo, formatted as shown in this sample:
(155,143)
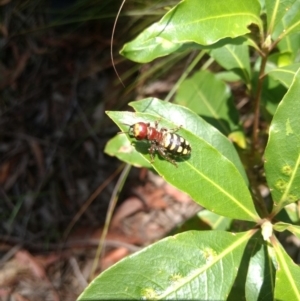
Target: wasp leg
(152,150)
(161,151)
(175,129)
(171,130)
(164,129)
(156,122)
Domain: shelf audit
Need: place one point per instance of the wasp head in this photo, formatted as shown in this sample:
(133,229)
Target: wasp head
(138,130)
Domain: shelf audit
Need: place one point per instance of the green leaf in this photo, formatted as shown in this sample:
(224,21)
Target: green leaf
(227,195)
(290,45)
(282,152)
(228,76)
(202,22)
(204,220)
(256,275)
(289,214)
(261,274)
(275,11)
(215,221)
(287,286)
(193,223)
(211,98)
(234,58)
(189,266)
(285,75)
(287,227)
(149,45)
(182,116)
(239,138)
(290,22)
(120,147)
(278,59)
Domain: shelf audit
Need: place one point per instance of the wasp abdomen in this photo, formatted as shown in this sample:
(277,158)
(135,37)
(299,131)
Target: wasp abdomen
(175,144)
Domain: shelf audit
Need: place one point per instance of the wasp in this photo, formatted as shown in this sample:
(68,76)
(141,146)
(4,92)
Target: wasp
(164,141)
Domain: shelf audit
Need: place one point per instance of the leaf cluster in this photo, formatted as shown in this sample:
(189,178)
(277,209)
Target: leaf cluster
(256,43)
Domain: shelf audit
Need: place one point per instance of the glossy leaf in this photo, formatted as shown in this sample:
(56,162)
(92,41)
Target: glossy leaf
(282,152)
(180,115)
(234,58)
(215,221)
(260,274)
(287,227)
(275,11)
(256,275)
(287,285)
(286,74)
(290,22)
(290,45)
(292,211)
(149,45)
(193,21)
(199,174)
(211,98)
(239,138)
(189,266)
(289,214)
(193,223)
(120,147)
(204,220)
(228,76)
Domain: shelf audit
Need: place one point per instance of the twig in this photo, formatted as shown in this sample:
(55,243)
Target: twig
(256,108)
(112,205)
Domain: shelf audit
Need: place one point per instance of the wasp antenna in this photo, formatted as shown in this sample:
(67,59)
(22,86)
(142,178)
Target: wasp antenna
(112,40)
(126,124)
(122,133)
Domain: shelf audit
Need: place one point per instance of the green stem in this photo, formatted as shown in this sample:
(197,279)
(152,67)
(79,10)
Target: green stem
(111,208)
(256,109)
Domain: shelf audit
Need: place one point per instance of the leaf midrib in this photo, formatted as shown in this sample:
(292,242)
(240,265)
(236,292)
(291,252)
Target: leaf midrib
(238,203)
(197,272)
(287,272)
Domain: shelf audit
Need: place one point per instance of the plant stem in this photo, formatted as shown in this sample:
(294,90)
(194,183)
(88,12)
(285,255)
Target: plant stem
(112,204)
(257,99)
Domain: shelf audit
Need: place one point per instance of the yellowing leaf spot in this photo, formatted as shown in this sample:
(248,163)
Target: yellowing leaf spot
(175,278)
(165,44)
(149,293)
(287,170)
(291,198)
(209,254)
(288,128)
(280,185)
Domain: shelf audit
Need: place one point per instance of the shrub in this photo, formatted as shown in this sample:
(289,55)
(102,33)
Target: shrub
(257,43)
